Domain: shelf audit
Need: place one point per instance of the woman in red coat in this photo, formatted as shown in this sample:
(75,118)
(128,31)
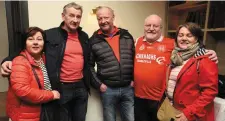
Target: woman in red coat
(193,83)
(25,95)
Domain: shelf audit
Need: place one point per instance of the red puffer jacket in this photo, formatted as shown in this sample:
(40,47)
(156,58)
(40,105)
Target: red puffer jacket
(194,93)
(24,96)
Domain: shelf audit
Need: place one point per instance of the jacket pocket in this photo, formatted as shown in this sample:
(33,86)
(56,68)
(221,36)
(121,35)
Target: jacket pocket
(190,98)
(52,49)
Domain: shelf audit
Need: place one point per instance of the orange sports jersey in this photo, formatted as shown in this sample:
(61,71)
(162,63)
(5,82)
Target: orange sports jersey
(151,60)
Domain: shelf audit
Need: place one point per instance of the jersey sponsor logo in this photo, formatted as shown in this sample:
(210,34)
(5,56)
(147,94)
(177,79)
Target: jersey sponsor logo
(142,47)
(148,58)
(161,48)
(144,61)
(160,60)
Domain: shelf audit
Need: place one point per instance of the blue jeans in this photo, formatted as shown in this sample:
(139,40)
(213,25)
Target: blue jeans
(122,97)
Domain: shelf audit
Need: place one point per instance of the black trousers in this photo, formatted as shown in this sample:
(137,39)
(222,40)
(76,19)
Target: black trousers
(145,109)
(73,103)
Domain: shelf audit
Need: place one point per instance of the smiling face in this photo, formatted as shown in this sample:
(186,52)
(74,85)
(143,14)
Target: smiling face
(185,38)
(152,28)
(105,19)
(71,18)
(35,44)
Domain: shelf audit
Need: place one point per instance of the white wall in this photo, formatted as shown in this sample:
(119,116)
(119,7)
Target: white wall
(128,15)
(4,43)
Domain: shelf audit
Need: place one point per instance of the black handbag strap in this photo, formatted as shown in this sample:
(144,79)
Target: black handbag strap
(36,76)
(35,73)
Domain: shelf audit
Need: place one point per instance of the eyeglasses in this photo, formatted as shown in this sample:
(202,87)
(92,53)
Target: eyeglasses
(153,25)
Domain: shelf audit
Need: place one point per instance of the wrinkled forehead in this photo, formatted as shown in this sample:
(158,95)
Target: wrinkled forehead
(154,20)
(104,11)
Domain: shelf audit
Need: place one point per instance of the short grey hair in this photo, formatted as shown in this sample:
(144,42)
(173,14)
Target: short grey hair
(155,15)
(110,9)
(74,5)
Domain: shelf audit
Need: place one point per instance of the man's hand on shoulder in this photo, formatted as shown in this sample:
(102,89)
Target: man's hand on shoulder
(212,55)
(6,68)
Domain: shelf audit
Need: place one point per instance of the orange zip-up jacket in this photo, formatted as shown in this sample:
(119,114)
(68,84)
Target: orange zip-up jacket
(24,97)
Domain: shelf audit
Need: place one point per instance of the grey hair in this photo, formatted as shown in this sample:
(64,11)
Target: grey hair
(100,7)
(74,5)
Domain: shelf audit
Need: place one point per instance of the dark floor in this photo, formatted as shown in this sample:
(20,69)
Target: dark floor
(3,116)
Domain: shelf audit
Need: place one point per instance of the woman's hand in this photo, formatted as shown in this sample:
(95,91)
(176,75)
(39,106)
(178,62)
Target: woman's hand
(56,94)
(181,117)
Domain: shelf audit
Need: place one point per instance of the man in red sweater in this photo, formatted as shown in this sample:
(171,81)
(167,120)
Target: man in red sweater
(152,55)
(66,52)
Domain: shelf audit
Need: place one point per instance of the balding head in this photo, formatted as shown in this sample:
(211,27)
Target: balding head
(154,18)
(152,28)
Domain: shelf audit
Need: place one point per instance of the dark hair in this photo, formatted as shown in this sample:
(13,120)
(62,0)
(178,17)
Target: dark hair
(31,31)
(195,30)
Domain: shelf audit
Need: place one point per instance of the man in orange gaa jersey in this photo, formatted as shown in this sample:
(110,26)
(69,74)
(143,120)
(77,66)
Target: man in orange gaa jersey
(152,55)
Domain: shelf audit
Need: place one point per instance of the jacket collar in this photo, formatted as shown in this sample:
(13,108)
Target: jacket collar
(79,29)
(120,31)
(115,32)
(30,58)
(65,33)
(190,62)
